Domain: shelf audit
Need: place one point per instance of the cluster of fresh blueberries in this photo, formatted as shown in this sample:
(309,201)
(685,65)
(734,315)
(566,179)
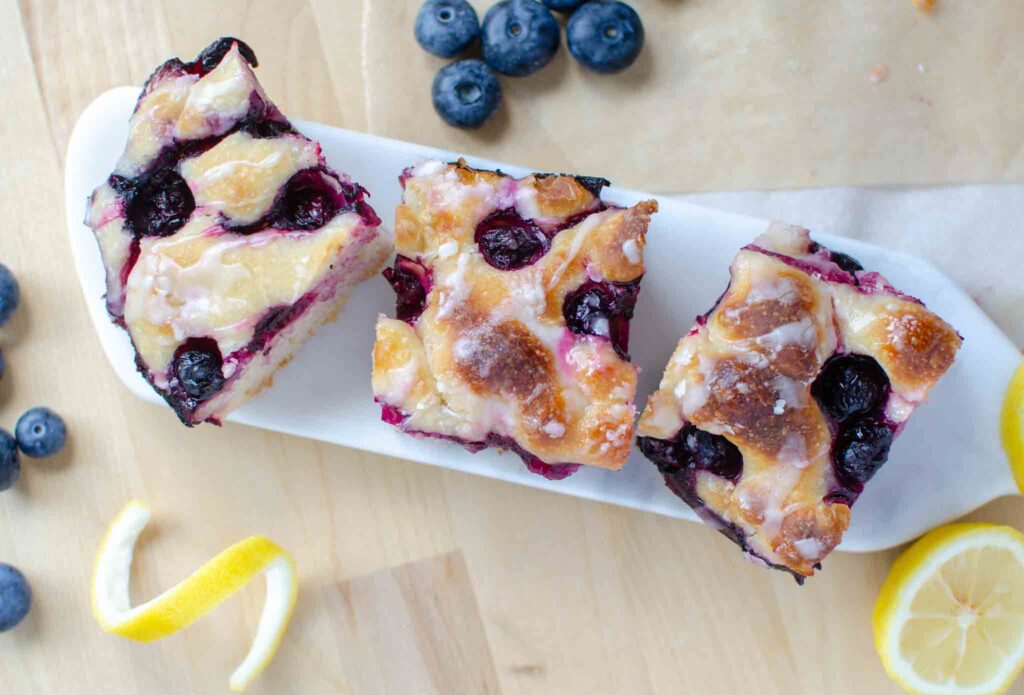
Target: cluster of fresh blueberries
(40,433)
(518,38)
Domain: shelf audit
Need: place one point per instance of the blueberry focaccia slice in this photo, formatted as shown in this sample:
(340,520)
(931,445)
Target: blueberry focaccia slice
(227,240)
(514,298)
(783,400)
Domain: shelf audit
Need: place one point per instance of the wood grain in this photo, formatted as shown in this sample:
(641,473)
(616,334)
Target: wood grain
(573,596)
(414,628)
(745,94)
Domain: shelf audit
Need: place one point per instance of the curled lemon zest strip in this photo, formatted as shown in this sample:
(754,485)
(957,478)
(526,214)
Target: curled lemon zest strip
(197,595)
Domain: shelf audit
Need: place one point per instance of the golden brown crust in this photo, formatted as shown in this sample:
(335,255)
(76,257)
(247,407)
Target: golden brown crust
(507,359)
(491,353)
(753,418)
(823,523)
(562,196)
(743,317)
(746,373)
(917,346)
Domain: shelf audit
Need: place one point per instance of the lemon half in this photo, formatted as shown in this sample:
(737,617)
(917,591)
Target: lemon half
(1012,426)
(204,590)
(950,617)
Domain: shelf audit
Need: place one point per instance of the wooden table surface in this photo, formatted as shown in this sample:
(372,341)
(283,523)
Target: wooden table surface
(511,590)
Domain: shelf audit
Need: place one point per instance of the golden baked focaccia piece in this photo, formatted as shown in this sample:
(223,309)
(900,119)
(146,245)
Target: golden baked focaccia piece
(514,298)
(783,400)
(226,238)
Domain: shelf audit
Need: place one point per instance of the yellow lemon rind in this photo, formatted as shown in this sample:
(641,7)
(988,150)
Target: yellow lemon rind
(201,592)
(1010,426)
(904,575)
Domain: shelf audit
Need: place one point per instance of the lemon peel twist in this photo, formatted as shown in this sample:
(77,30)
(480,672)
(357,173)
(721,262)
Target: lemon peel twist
(197,595)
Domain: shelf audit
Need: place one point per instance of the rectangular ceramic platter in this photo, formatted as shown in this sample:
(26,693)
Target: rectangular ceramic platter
(948,461)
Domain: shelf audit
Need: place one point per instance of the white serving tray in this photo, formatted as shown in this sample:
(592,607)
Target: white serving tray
(947,462)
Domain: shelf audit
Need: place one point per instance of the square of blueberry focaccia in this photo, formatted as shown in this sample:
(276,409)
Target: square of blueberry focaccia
(227,239)
(514,298)
(783,400)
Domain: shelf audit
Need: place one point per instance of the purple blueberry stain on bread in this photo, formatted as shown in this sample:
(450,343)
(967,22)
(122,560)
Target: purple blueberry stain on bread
(226,237)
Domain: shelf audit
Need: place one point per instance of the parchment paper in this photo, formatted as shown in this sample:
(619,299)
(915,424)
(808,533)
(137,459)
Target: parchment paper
(729,94)
(975,234)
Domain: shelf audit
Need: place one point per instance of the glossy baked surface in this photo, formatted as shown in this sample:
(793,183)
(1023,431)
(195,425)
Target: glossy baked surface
(226,237)
(940,467)
(514,298)
(784,399)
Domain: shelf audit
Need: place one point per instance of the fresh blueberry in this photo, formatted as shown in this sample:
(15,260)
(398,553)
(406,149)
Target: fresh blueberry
(466,93)
(40,433)
(446,27)
(860,450)
(15,597)
(563,5)
(199,367)
(10,467)
(10,294)
(519,37)
(851,385)
(605,35)
(509,242)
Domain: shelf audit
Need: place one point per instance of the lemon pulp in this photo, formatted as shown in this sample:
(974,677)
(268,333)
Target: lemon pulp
(950,618)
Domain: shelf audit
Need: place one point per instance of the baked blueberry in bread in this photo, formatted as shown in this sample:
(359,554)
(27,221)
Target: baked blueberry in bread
(514,298)
(227,239)
(782,401)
